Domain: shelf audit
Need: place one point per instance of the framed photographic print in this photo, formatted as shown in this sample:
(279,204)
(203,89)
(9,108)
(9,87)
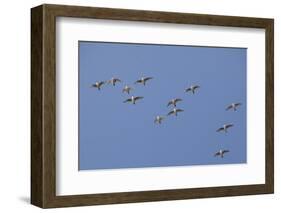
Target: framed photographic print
(135,106)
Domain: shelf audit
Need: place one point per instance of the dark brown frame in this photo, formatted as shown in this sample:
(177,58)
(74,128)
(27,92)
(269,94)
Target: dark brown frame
(43,105)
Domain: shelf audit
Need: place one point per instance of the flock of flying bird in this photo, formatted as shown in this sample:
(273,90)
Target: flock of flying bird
(173,102)
(225,128)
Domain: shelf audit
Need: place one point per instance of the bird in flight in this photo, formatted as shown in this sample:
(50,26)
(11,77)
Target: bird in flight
(127,89)
(175,111)
(113,81)
(158,119)
(221,153)
(98,84)
(174,102)
(143,80)
(192,88)
(225,127)
(133,99)
(233,106)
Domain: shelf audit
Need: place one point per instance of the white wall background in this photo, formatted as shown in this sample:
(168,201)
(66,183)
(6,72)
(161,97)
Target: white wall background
(15,104)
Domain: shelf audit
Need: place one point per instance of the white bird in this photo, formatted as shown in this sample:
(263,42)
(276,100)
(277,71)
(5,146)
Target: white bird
(175,111)
(143,80)
(158,119)
(113,81)
(225,127)
(192,88)
(233,106)
(133,99)
(221,153)
(174,102)
(98,84)
(127,89)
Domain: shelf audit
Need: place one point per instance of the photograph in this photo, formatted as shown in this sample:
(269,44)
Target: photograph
(160,105)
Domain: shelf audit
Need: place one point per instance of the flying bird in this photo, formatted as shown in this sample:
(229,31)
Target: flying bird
(143,80)
(113,81)
(127,89)
(98,84)
(233,106)
(225,127)
(133,99)
(175,111)
(192,88)
(158,119)
(221,153)
(174,102)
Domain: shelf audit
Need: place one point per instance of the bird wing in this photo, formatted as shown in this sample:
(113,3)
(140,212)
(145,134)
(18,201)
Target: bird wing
(138,81)
(170,102)
(178,99)
(220,129)
(171,112)
(148,78)
(217,154)
(229,125)
(94,85)
(225,151)
(188,89)
(180,110)
(101,83)
(128,100)
(238,104)
(229,107)
(117,79)
(138,97)
(196,87)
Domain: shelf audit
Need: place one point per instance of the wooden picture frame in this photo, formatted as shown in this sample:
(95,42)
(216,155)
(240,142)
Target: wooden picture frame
(43,105)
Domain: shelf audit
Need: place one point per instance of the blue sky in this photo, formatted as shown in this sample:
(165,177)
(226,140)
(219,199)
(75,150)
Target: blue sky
(113,134)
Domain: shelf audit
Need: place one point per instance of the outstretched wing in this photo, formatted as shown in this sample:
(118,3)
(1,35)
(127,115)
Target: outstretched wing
(225,151)
(170,113)
(180,110)
(220,129)
(138,81)
(188,90)
(238,104)
(138,97)
(128,100)
(147,78)
(229,125)
(170,102)
(229,107)
(178,99)
(217,154)
(196,87)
